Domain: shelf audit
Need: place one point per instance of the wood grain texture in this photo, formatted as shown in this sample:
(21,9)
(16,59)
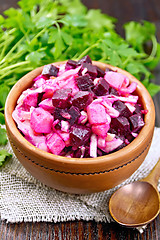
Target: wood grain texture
(77,230)
(124,11)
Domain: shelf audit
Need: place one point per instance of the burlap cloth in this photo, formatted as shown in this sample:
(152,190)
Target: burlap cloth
(23,198)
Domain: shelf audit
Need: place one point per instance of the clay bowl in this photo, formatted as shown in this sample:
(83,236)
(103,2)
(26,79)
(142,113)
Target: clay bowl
(76,175)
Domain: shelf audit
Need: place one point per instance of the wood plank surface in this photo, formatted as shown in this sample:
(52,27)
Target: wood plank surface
(80,230)
(124,11)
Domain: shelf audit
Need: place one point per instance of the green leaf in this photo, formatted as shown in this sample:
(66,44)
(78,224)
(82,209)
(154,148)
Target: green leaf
(3,137)
(67,38)
(44,22)
(4,90)
(153,89)
(4,156)
(35,57)
(98,20)
(137,34)
(53,35)
(125,50)
(75,20)
(2,120)
(28,5)
(59,46)
(153,61)
(74,7)
(1,19)
(137,67)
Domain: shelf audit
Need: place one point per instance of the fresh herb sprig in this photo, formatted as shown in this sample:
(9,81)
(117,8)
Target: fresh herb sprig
(45,31)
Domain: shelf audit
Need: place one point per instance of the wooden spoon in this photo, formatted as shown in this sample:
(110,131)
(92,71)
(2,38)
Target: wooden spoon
(138,203)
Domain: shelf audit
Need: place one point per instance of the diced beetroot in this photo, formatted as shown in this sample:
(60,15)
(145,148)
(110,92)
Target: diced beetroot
(96,113)
(41,120)
(138,108)
(101,88)
(130,137)
(121,125)
(65,114)
(50,70)
(84,82)
(70,64)
(79,135)
(57,126)
(90,69)
(101,129)
(40,96)
(136,122)
(87,152)
(61,98)
(61,114)
(113,91)
(55,144)
(78,153)
(82,99)
(100,72)
(122,109)
(85,59)
(74,113)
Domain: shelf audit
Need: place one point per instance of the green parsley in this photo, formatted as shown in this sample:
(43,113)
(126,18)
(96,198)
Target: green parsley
(4,156)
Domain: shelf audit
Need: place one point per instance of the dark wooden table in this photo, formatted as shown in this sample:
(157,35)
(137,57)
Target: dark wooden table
(124,11)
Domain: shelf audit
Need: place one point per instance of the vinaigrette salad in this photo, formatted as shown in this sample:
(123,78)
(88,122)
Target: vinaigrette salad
(78,110)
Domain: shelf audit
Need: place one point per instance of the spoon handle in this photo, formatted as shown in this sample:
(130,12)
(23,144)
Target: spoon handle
(153,175)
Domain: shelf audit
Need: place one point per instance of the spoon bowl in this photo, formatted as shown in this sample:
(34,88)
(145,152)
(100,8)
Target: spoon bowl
(138,203)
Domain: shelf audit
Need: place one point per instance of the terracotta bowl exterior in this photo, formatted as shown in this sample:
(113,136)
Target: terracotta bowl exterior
(76,175)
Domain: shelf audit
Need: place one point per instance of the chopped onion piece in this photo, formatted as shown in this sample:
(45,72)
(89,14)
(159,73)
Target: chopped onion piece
(112,145)
(93,145)
(65,126)
(110,137)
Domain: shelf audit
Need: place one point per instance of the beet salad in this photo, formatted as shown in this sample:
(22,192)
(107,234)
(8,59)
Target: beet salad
(78,110)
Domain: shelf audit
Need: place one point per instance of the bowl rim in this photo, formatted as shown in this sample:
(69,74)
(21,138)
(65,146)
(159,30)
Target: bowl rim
(134,146)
